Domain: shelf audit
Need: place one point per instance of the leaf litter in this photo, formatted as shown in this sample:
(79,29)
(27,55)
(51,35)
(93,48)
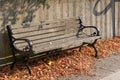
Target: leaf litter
(62,64)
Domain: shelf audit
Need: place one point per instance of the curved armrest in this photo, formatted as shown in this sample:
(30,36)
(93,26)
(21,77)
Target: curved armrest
(81,27)
(28,48)
(97,33)
(97,30)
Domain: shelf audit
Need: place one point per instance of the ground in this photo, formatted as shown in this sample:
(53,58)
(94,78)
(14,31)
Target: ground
(71,65)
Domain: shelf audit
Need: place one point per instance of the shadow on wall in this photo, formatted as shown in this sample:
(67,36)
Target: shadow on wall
(104,11)
(117,0)
(11,11)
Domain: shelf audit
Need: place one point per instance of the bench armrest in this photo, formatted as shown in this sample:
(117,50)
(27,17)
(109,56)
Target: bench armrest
(96,33)
(81,27)
(28,48)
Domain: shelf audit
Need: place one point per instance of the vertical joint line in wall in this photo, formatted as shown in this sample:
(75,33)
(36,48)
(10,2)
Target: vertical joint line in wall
(113,17)
(61,8)
(74,8)
(118,18)
(67,8)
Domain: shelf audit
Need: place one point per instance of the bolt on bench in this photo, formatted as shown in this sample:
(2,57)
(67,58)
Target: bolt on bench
(50,37)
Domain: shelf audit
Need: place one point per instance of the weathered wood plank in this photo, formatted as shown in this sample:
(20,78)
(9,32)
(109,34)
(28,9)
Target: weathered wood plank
(47,23)
(37,28)
(48,33)
(47,28)
(62,43)
(52,38)
(38,32)
(42,33)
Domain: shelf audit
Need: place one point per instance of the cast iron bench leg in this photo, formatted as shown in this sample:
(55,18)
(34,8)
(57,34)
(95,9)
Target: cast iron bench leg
(29,70)
(25,63)
(12,65)
(91,45)
(27,66)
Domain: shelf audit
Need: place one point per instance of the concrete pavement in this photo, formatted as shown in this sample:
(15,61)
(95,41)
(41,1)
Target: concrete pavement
(114,76)
(105,69)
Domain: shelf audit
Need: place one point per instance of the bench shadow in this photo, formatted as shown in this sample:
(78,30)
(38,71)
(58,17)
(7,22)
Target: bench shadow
(13,12)
(36,62)
(117,0)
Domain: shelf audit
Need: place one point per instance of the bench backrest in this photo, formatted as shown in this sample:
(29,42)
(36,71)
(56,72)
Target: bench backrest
(47,32)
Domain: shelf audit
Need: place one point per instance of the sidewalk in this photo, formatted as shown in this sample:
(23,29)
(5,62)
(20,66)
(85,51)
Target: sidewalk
(105,69)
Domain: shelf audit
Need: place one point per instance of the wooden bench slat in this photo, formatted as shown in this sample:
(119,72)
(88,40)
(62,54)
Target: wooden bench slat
(32,28)
(62,43)
(47,33)
(48,24)
(63,38)
(57,38)
(20,29)
(42,40)
(39,32)
(36,28)
(39,41)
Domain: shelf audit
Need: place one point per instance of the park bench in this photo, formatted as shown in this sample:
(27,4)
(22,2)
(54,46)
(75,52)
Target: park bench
(50,37)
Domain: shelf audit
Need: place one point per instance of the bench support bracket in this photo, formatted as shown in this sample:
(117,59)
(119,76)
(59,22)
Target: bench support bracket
(91,45)
(24,61)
